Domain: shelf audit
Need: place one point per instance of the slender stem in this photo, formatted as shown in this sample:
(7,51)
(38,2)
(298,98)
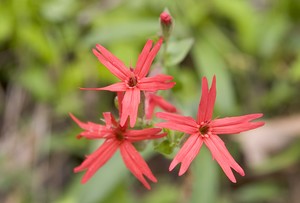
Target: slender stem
(165,53)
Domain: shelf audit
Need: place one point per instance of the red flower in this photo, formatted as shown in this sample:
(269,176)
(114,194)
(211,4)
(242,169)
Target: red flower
(133,81)
(166,24)
(165,18)
(116,137)
(152,100)
(205,130)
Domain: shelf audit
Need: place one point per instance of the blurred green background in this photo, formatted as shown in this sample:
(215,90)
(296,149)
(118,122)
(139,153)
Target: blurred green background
(252,46)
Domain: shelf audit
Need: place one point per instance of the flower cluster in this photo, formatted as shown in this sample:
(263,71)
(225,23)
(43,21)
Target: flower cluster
(138,88)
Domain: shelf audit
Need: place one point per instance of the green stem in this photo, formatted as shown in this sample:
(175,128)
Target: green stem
(164,55)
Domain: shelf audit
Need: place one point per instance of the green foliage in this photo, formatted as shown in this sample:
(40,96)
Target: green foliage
(177,51)
(259,192)
(205,178)
(165,193)
(165,147)
(46,51)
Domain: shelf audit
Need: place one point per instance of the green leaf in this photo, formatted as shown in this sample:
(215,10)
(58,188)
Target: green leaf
(58,10)
(121,31)
(69,102)
(6,23)
(258,192)
(205,181)
(178,50)
(187,89)
(102,184)
(164,193)
(165,147)
(209,63)
(120,194)
(294,71)
(99,186)
(36,40)
(275,29)
(245,20)
(38,83)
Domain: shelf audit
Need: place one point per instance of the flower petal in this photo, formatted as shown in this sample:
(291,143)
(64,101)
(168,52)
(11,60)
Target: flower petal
(153,100)
(207,101)
(145,134)
(203,101)
(90,159)
(190,156)
(162,103)
(147,64)
(179,127)
(158,82)
(178,119)
(105,133)
(82,125)
(136,164)
(161,78)
(222,148)
(109,120)
(220,158)
(211,100)
(97,159)
(117,87)
(114,65)
(130,106)
(92,130)
(149,108)
(237,128)
(142,57)
(229,121)
(188,151)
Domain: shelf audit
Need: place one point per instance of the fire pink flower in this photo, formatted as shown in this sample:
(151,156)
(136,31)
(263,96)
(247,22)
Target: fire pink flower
(133,81)
(165,18)
(152,100)
(205,130)
(116,137)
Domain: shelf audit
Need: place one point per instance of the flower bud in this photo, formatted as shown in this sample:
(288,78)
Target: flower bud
(165,18)
(166,23)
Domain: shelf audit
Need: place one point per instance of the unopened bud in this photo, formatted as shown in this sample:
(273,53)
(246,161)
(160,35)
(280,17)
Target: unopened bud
(165,18)
(166,23)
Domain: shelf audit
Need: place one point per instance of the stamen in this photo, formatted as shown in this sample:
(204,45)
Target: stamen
(204,129)
(119,136)
(132,81)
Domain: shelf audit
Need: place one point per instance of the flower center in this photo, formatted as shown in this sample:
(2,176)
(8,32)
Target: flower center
(132,82)
(204,129)
(119,135)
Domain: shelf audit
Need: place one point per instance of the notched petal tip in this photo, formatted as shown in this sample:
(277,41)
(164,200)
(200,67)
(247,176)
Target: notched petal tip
(181,172)
(254,116)
(95,52)
(204,81)
(77,169)
(160,40)
(85,178)
(173,164)
(147,186)
(233,180)
(73,117)
(76,120)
